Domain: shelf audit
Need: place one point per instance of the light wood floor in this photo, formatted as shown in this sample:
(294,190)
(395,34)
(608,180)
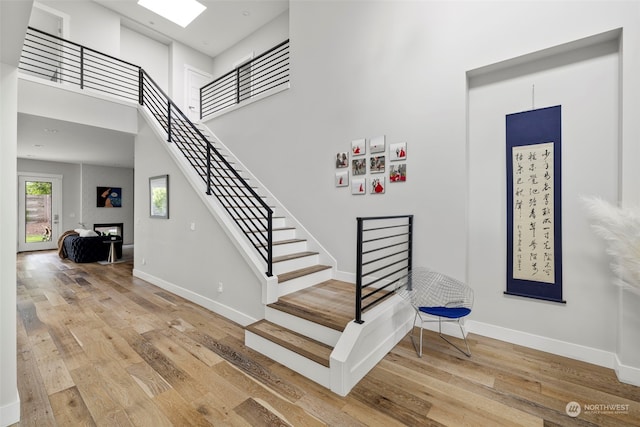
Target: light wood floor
(99,347)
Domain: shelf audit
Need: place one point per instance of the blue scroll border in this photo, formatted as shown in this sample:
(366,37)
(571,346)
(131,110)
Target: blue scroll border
(529,128)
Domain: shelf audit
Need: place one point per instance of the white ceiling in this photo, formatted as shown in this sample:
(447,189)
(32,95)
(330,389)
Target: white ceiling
(41,138)
(220,26)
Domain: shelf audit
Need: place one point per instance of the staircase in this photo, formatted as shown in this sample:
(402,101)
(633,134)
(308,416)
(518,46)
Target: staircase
(307,324)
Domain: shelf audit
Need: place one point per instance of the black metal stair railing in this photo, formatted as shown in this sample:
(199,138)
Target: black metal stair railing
(58,60)
(267,71)
(384,256)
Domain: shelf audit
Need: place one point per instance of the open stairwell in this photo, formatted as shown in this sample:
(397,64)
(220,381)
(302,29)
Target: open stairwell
(308,323)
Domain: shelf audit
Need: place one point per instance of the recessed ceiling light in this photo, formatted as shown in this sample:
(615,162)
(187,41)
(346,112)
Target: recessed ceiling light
(51,130)
(246,13)
(38,145)
(181,12)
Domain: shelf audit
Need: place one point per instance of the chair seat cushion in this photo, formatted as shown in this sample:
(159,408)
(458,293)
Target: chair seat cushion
(448,312)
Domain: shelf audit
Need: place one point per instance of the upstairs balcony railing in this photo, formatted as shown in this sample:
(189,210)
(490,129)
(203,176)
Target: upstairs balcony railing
(62,61)
(384,257)
(267,71)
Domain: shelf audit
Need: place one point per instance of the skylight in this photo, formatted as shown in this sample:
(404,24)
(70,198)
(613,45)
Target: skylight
(182,12)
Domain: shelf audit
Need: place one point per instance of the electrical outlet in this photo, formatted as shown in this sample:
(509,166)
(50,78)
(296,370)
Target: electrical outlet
(144,261)
(193,226)
(220,286)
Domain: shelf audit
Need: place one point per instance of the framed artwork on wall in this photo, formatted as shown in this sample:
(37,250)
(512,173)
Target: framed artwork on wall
(376,144)
(398,151)
(358,167)
(377,185)
(359,186)
(359,147)
(342,179)
(398,173)
(342,160)
(159,197)
(109,197)
(376,164)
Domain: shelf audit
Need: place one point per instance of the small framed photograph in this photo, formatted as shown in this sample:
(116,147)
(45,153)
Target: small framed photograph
(342,179)
(359,147)
(377,144)
(358,166)
(398,151)
(342,160)
(377,185)
(398,173)
(359,186)
(376,164)
(159,196)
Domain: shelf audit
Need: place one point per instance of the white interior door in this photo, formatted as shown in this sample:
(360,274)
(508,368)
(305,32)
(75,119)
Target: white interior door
(194,80)
(50,21)
(39,207)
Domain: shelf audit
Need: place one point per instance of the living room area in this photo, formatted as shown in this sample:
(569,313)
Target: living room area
(75,212)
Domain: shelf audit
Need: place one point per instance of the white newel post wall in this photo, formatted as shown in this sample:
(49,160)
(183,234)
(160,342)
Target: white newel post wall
(628,333)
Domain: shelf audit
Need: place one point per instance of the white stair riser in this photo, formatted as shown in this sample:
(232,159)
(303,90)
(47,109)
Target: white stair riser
(295,264)
(300,364)
(289,248)
(286,234)
(303,282)
(304,327)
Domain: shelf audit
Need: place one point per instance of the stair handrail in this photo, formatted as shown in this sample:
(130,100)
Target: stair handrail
(211,149)
(383,276)
(52,58)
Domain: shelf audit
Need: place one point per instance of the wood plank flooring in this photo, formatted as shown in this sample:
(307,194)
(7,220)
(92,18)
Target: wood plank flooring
(97,346)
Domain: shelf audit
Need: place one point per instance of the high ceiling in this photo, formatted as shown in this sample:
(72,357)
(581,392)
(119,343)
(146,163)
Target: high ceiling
(220,26)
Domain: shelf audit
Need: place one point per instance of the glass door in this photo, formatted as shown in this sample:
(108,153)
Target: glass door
(38,212)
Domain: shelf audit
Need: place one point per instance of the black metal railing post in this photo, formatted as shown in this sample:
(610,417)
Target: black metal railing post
(359,272)
(169,121)
(410,254)
(208,169)
(270,243)
(140,86)
(238,85)
(81,67)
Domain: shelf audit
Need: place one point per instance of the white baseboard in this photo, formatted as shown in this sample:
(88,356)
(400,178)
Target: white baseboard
(221,309)
(627,374)
(550,345)
(10,413)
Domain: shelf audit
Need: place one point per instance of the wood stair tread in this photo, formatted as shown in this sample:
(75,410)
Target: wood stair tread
(298,343)
(293,256)
(301,272)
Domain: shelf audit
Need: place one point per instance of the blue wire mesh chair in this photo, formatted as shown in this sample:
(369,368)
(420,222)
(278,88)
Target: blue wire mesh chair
(433,294)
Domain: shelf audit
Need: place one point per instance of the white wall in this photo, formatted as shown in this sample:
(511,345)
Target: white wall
(191,263)
(181,55)
(361,69)
(590,158)
(155,60)
(261,40)
(90,25)
(9,399)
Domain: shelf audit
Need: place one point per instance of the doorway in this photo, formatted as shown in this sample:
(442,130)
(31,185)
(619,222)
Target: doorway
(39,206)
(194,79)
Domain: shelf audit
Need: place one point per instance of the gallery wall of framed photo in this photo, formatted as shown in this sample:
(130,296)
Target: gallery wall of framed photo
(367,166)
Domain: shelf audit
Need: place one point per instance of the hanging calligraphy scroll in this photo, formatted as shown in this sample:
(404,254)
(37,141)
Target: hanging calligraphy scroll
(534,232)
